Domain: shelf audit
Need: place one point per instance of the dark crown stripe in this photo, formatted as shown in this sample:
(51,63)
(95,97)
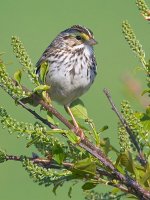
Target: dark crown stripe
(83,30)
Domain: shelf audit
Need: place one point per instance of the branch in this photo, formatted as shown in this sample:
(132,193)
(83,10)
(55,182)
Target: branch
(84,144)
(50,164)
(36,115)
(46,163)
(133,187)
(142,160)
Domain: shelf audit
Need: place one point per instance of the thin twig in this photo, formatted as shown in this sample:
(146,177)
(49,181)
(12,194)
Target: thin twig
(111,177)
(37,116)
(43,120)
(142,160)
(46,163)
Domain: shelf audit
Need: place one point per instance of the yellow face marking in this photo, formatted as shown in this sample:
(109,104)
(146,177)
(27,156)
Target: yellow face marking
(84,36)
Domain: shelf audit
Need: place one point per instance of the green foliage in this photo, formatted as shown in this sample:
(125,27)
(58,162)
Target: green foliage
(17,76)
(88,186)
(140,131)
(145,118)
(86,166)
(40,88)
(72,137)
(37,134)
(124,141)
(50,117)
(125,160)
(46,176)
(139,124)
(80,112)
(2,156)
(78,109)
(43,71)
(137,47)
(142,7)
(9,86)
(24,59)
(43,139)
(92,195)
(134,43)
(21,127)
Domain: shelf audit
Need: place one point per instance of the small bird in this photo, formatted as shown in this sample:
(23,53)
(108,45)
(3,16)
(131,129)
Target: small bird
(71,65)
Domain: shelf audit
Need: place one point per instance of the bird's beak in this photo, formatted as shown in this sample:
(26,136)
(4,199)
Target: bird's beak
(92,42)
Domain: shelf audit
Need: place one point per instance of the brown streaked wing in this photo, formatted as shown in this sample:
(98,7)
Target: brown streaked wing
(44,57)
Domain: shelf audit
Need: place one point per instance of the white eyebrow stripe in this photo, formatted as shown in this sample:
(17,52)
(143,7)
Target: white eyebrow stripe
(89,33)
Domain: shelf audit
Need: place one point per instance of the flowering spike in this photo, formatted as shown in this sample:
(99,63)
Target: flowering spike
(142,6)
(24,59)
(9,85)
(133,42)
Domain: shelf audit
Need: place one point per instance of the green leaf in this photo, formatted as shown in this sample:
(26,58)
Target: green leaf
(78,109)
(144,118)
(55,131)
(88,186)
(85,166)
(115,190)
(17,76)
(104,128)
(145,91)
(146,124)
(125,159)
(81,125)
(70,189)
(130,196)
(146,177)
(148,111)
(106,145)
(33,141)
(43,71)
(58,153)
(72,137)
(46,97)
(50,117)
(56,185)
(41,88)
(2,156)
(30,101)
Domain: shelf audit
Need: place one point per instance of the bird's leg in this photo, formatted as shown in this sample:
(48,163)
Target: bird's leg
(75,122)
(73,119)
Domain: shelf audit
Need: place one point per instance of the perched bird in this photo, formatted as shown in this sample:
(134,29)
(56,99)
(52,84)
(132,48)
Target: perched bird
(71,65)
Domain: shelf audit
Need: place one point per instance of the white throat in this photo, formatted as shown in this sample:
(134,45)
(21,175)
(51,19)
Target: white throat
(88,49)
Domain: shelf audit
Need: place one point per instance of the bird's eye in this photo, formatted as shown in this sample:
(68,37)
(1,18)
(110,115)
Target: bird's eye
(78,37)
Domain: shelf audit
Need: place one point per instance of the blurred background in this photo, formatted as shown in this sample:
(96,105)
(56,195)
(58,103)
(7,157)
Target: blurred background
(37,23)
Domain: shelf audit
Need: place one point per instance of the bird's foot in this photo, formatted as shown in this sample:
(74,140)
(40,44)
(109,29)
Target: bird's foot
(78,129)
(80,133)
(46,97)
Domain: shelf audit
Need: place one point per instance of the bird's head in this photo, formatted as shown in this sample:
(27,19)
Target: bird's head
(77,36)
